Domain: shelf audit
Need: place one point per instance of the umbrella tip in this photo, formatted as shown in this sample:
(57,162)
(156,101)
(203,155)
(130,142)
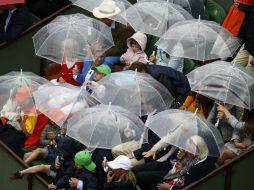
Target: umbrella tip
(199,18)
(135,74)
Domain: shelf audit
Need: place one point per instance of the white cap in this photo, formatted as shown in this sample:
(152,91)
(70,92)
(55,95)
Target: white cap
(122,162)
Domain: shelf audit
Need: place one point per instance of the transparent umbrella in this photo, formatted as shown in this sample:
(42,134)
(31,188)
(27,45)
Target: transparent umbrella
(104,7)
(139,93)
(224,82)
(58,102)
(16,99)
(71,38)
(105,126)
(155,17)
(175,127)
(201,40)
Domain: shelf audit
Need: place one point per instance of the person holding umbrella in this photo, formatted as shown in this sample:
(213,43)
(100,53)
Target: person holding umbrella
(119,31)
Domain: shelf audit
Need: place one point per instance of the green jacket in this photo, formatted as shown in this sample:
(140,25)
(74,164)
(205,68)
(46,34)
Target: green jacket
(120,35)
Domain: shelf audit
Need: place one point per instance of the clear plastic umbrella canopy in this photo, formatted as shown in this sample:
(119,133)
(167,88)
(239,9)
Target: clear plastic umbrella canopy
(16,99)
(58,102)
(224,82)
(99,5)
(71,38)
(105,126)
(175,127)
(155,17)
(201,40)
(139,93)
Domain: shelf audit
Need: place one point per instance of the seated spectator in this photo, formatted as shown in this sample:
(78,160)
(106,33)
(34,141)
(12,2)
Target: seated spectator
(197,166)
(243,134)
(244,58)
(162,58)
(61,171)
(176,83)
(69,62)
(49,152)
(100,72)
(135,52)
(194,101)
(120,176)
(217,118)
(18,119)
(84,177)
(120,34)
(16,19)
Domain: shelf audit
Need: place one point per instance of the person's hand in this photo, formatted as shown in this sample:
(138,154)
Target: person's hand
(220,115)
(57,163)
(73,182)
(180,154)
(110,176)
(151,152)
(75,70)
(241,145)
(61,80)
(88,83)
(163,186)
(130,155)
(152,58)
(51,186)
(179,166)
(223,110)
(53,142)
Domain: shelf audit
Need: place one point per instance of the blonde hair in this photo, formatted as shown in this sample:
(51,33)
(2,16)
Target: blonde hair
(128,175)
(70,48)
(201,147)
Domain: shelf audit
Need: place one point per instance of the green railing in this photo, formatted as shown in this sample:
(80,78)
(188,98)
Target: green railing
(10,163)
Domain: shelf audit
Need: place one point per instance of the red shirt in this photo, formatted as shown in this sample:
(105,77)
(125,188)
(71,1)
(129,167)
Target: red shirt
(66,73)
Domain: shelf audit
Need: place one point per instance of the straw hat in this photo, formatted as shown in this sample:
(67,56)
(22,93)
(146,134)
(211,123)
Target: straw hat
(106,9)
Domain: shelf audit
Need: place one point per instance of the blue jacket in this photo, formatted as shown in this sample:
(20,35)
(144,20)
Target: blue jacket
(176,82)
(86,67)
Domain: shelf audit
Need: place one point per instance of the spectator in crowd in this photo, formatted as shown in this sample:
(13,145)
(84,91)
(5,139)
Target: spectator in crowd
(135,52)
(199,164)
(237,17)
(120,176)
(84,177)
(119,31)
(61,171)
(69,62)
(49,152)
(16,19)
(243,134)
(176,83)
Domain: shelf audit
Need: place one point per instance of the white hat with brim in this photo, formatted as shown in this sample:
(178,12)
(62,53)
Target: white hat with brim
(120,162)
(106,9)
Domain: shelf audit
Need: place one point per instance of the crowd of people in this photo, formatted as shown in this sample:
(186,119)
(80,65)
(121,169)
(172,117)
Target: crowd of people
(129,166)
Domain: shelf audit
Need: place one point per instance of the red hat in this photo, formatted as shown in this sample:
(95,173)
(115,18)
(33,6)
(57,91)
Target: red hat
(11,2)
(23,93)
(56,115)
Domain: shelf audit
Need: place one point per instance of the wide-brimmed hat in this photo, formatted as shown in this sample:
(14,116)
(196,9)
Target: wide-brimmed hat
(120,162)
(106,9)
(84,159)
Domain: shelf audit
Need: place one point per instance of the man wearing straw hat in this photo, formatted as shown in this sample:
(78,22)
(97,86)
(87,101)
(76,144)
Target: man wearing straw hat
(15,19)
(119,31)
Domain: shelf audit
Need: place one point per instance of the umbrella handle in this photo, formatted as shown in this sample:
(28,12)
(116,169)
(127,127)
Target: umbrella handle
(217,123)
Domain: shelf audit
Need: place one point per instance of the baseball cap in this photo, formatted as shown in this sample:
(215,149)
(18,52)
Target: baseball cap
(84,159)
(121,161)
(103,69)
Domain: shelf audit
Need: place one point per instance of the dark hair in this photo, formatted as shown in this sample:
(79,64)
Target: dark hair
(249,121)
(132,41)
(141,67)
